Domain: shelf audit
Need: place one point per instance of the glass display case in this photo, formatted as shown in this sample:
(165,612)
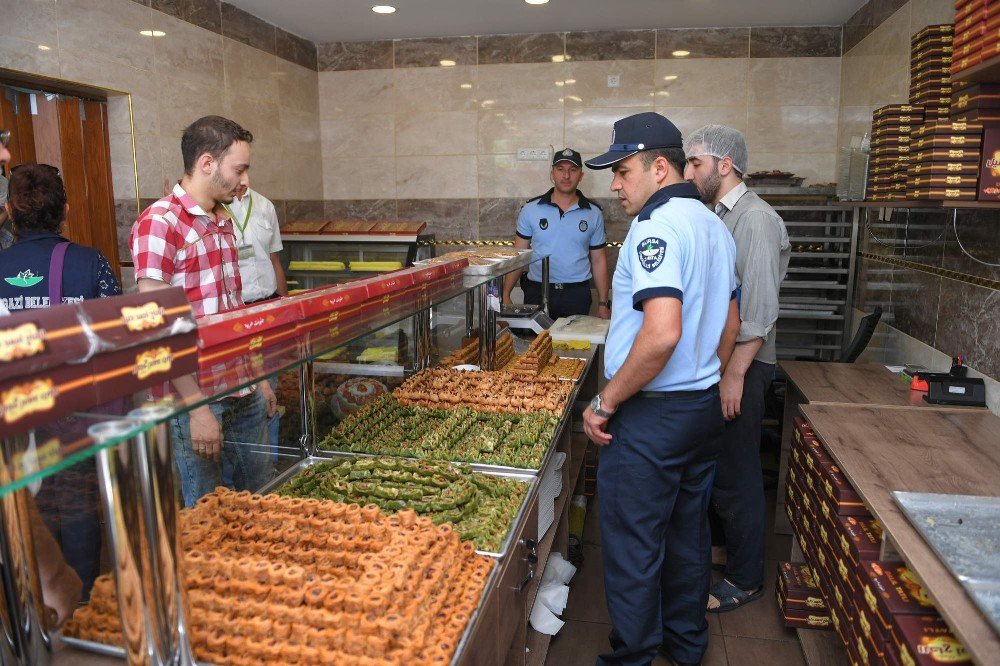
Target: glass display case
(330,252)
(396,480)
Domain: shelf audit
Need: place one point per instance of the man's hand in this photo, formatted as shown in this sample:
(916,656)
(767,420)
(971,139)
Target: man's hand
(62,593)
(269,398)
(206,434)
(594,426)
(731,392)
(604,312)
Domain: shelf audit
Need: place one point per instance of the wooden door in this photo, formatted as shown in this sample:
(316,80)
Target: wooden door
(15,115)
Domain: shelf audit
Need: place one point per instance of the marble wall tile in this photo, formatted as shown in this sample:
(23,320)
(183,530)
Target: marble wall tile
(189,102)
(874,287)
(791,42)
(588,130)
(819,167)
(513,49)
(298,88)
(968,324)
(430,51)
(795,81)
(113,25)
(915,297)
(701,82)
(704,42)
(205,14)
(359,136)
(356,93)
(303,177)
(507,131)
(611,45)
(447,219)
(449,176)
(854,121)
(596,184)
(505,176)
(793,129)
(930,12)
(589,87)
(358,178)
(300,132)
(361,209)
(126,213)
(202,66)
(247,28)
(31,22)
(522,86)
(436,89)
(498,217)
(922,235)
(436,133)
(296,49)
(616,220)
(689,118)
(305,209)
(344,56)
(979,234)
(249,72)
(25,56)
(279,210)
(883,9)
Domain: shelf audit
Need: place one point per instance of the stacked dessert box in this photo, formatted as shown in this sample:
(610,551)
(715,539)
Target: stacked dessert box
(878,608)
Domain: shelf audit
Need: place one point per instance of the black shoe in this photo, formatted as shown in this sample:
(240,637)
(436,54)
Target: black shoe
(663,653)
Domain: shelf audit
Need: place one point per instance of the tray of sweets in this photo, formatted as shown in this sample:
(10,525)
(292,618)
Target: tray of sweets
(483,505)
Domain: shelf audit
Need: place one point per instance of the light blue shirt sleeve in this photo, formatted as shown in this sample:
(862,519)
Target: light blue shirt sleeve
(598,237)
(524,225)
(658,262)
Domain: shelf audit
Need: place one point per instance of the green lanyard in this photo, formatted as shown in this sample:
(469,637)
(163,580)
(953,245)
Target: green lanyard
(246,220)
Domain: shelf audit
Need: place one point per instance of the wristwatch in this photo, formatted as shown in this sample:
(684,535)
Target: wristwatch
(595,406)
(605,304)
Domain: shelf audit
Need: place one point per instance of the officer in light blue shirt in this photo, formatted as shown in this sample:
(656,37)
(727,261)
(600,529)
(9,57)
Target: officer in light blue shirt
(659,419)
(567,227)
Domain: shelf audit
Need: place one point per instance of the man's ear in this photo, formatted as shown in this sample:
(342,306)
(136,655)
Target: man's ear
(205,163)
(725,166)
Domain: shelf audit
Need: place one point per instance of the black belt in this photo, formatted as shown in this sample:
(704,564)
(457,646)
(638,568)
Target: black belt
(261,300)
(677,394)
(561,285)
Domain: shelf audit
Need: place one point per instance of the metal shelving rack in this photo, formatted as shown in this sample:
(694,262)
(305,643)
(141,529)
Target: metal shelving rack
(818,291)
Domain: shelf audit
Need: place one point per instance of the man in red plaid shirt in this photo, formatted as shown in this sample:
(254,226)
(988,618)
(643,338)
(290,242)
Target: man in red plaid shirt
(186,240)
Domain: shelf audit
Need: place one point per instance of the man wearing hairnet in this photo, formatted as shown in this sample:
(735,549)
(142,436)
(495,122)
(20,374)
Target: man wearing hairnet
(716,161)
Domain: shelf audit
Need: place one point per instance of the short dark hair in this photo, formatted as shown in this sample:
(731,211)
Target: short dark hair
(674,156)
(213,135)
(37,198)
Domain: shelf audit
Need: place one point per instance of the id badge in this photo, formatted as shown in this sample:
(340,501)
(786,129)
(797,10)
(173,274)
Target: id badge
(246,252)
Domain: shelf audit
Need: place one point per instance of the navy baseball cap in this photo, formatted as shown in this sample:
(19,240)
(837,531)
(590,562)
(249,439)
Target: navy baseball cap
(643,131)
(567,155)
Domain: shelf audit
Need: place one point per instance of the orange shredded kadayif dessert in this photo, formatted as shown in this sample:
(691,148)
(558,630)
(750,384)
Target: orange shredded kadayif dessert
(279,580)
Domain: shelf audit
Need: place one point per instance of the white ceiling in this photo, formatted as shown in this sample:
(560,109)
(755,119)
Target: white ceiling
(353,20)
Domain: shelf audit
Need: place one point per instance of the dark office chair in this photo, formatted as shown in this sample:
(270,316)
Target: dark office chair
(864,335)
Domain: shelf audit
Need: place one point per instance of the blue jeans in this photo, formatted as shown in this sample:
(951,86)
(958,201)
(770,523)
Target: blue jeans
(654,481)
(245,449)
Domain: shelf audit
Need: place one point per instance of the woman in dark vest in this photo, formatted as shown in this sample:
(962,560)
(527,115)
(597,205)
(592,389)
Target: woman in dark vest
(40,269)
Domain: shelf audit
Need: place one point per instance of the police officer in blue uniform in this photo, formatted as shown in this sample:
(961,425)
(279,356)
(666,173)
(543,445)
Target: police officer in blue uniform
(569,228)
(659,418)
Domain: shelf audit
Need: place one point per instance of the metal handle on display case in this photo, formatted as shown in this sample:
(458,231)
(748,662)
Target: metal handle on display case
(545,284)
(524,583)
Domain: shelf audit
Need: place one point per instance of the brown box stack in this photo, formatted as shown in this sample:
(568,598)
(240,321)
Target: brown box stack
(890,150)
(944,161)
(878,608)
(799,597)
(931,52)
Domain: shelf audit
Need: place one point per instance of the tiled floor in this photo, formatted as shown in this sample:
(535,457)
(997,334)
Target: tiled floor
(745,637)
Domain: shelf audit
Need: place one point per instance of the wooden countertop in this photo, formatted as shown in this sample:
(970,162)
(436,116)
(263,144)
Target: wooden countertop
(883,449)
(854,383)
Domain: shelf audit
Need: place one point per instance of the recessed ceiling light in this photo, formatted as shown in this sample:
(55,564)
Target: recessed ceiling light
(680,54)
(447,63)
(383,9)
(43,47)
(558,58)
(560,83)
(671,77)
(536,2)
(570,82)
(152,33)
(466,86)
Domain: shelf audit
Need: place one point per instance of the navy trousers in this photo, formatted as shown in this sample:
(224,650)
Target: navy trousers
(654,481)
(738,494)
(562,302)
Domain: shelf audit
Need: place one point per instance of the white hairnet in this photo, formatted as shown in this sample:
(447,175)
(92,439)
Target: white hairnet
(718,141)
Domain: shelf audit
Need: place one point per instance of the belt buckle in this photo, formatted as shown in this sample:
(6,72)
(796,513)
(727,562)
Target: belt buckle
(558,285)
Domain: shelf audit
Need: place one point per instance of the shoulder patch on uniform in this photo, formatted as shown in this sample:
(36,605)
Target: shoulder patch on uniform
(651,252)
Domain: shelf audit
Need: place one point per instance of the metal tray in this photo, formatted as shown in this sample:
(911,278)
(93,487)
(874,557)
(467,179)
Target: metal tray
(96,648)
(495,267)
(524,476)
